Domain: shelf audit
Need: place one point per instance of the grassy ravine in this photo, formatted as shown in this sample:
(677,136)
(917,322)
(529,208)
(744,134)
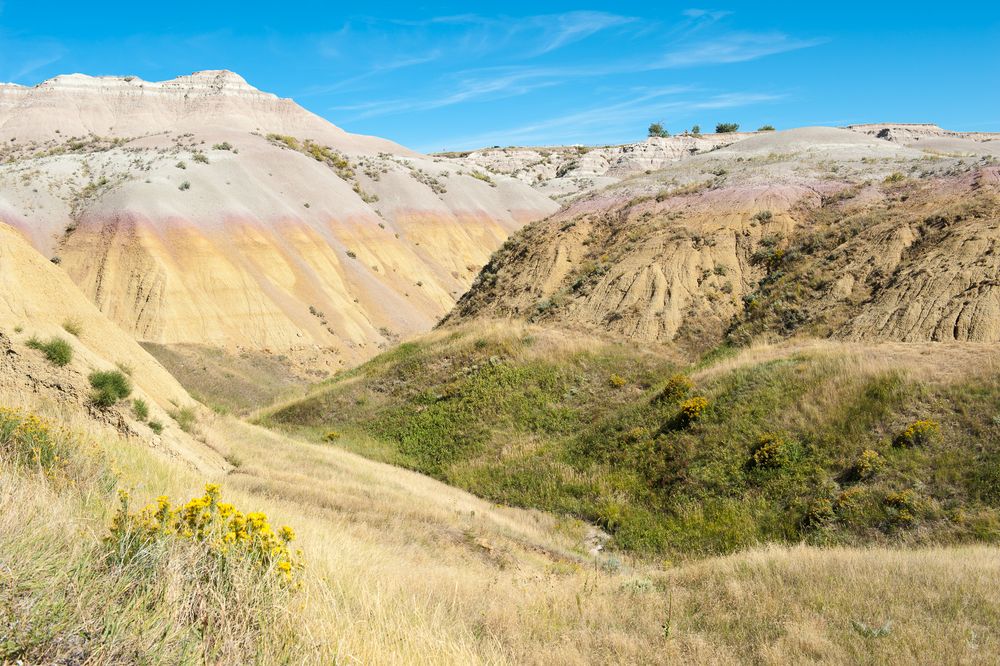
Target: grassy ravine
(778,456)
(402,569)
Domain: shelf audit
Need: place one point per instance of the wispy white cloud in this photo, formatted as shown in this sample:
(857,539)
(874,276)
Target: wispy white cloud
(372,72)
(731,48)
(492,83)
(563,29)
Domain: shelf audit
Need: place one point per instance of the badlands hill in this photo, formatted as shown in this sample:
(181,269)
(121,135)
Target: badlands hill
(817,231)
(201,210)
(564,172)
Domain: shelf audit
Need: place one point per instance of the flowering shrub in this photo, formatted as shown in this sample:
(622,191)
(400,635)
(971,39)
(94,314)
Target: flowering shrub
(677,388)
(218,527)
(635,434)
(917,433)
(692,409)
(819,513)
(770,452)
(849,499)
(617,381)
(331,436)
(902,506)
(869,464)
(27,440)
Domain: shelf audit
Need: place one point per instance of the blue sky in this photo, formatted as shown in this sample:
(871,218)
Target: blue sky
(452,75)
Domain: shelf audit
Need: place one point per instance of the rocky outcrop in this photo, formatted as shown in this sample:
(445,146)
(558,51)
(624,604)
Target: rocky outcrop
(565,172)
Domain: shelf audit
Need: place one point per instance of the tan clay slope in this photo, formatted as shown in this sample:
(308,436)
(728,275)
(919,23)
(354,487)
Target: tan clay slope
(36,300)
(250,223)
(821,231)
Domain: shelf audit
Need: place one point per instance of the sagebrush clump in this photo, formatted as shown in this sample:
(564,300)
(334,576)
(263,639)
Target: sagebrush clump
(109,386)
(57,351)
(140,409)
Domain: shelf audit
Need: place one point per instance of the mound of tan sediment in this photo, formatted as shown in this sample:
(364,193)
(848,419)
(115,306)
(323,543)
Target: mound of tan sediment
(201,210)
(37,300)
(817,230)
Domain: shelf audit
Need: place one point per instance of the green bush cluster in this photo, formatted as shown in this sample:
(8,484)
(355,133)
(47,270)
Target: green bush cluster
(57,351)
(109,386)
(918,433)
(770,452)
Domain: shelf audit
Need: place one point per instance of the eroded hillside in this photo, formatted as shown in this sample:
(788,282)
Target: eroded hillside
(201,210)
(820,231)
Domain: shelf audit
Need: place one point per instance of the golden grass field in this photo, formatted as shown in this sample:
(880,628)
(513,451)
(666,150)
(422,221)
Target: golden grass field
(403,569)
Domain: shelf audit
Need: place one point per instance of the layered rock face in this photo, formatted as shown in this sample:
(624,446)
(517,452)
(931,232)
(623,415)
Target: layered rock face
(203,210)
(815,231)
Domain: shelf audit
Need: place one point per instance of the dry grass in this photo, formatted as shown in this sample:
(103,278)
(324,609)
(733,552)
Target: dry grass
(928,361)
(403,569)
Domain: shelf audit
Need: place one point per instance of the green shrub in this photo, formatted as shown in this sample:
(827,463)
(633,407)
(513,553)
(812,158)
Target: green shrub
(895,177)
(770,452)
(57,351)
(184,186)
(658,130)
(766,128)
(185,418)
(140,408)
(726,128)
(479,175)
(331,436)
(696,130)
(694,408)
(917,433)
(109,386)
(676,389)
(869,464)
(225,145)
(819,513)
(616,380)
(73,327)
(156,427)
(200,158)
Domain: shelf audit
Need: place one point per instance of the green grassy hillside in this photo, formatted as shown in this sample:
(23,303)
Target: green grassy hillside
(819,442)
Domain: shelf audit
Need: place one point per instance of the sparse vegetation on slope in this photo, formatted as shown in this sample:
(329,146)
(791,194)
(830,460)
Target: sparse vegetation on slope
(764,452)
(57,351)
(90,595)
